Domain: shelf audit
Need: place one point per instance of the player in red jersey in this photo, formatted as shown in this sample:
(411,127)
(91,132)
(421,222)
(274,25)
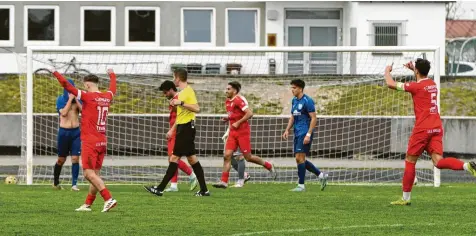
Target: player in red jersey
(93,134)
(170,92)
(427,134)
(240,133)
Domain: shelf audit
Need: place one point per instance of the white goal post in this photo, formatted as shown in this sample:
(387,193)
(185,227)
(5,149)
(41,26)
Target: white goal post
(361,136)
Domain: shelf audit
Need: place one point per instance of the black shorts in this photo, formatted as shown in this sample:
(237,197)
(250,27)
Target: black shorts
(185,140)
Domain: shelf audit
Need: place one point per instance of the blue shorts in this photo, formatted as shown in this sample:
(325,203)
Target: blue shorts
(299,146)
(69,142)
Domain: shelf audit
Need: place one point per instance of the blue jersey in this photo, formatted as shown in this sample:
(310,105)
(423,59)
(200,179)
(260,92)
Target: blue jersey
(63,98)
(300,111)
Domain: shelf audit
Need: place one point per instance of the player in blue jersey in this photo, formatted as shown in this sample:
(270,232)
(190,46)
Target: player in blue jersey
(303,119)
(69,142)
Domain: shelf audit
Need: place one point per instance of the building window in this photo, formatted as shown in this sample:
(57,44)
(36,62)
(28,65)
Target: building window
(98,26)
(142,26)
(387,33)
(198,27)
(242,27)
(7,17)
(41,25)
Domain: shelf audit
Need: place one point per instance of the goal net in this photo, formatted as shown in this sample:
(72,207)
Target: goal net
(362,127)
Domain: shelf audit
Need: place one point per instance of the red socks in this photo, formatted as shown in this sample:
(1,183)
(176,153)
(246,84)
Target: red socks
(408,176)
(268,165)
(225,176)
(174,178)
(450,163)
(90,199)
(106,195)
(184,167)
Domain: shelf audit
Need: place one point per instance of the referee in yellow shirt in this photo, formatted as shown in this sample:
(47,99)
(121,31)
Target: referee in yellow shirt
(187,106)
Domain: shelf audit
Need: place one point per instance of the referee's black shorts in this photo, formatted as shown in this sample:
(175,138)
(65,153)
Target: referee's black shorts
(185,140)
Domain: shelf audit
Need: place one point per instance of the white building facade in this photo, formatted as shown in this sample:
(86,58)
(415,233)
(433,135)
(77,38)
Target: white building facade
(227,24)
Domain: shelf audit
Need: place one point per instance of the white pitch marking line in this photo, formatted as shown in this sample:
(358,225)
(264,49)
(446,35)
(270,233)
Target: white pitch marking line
(330,228)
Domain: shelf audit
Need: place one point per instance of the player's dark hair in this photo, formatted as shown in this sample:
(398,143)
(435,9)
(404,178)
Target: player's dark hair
(91,78)
(236,85)
(167,85)
(298,83)
(423,66)
(181,73)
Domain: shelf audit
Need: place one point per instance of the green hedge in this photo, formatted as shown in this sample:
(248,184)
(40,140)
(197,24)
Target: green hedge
(458,99)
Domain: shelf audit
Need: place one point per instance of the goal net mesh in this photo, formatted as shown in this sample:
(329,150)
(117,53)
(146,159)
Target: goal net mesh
(362,127)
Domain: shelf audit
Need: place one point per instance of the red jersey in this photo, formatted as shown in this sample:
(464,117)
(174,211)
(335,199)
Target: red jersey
(235,108)
(94,115)
(95,110)
(424,94)
(173,112)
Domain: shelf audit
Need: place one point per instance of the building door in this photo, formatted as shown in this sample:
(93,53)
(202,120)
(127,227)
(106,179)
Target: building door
(305,28)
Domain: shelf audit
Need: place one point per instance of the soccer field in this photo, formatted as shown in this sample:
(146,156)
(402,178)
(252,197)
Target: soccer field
(257,209)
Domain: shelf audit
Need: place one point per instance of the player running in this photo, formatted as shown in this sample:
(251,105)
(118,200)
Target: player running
(170,91)
(427,132)
(238,164)
(240,133)
(93,134)
(68,139)
(303,119)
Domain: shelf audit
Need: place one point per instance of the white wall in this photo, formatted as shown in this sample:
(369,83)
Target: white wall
(421,17)
(425,27)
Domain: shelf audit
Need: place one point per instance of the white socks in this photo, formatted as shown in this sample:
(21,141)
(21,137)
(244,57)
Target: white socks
(173,185)
(465,166)
(407,196)
(302,185)
(321,175)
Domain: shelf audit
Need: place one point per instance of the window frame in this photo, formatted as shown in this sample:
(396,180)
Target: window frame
(54,42)
(401,31)
(212,28)
(83,9)
(157,26)
(257,42)
(11,41)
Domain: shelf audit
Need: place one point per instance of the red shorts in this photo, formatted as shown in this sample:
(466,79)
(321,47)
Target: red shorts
(170,145)
(237,140)
(429,140)
(92,155)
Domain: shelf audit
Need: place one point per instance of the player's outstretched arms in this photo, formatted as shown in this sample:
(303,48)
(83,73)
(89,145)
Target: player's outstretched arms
(388,78)
(112,84)
(69,87)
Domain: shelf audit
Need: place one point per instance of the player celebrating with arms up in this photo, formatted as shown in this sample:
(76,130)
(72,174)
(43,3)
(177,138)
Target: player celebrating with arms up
(240,134)
(427,133)
(170,91)
(68,141)
(93,134)
(303,119)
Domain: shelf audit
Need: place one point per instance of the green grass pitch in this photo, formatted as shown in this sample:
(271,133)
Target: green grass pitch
(257,209)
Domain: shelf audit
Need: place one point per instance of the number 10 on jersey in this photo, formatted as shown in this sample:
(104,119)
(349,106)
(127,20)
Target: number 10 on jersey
(102,117)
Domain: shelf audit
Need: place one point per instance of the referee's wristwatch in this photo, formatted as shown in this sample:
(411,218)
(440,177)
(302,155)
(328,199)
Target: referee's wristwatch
(181,103)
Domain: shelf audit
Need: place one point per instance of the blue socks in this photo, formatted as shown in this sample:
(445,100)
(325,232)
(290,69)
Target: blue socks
(75,172)
(301,172)
(311,168)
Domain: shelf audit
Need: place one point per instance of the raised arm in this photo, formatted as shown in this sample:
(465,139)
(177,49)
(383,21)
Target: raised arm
(112,83)
(69,87)
(388,78)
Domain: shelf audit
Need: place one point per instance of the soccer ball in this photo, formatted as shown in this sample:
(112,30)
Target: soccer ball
(10,179)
